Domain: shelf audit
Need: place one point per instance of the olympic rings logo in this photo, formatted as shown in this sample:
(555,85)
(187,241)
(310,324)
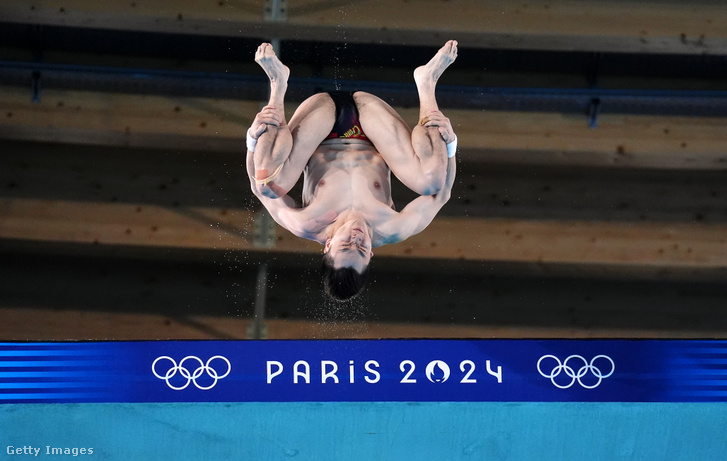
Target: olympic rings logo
(191,376)
(570,371)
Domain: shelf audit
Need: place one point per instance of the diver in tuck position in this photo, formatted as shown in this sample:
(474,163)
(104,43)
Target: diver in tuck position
(345,144)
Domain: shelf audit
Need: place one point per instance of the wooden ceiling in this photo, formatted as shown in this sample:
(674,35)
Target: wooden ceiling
(561,223)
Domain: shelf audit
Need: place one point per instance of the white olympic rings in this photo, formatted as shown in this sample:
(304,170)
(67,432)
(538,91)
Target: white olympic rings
(191,377)
(576,375)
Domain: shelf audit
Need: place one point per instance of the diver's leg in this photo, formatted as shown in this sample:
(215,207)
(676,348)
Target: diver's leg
(430,136)
(417,157)
(426,77)
(270,128)
(311,123)
(283,149)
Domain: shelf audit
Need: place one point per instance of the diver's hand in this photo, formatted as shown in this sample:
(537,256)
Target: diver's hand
(436,118)
(267,116)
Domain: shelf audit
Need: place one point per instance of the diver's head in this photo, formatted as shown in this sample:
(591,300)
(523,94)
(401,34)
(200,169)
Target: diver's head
(350,245)
(346,258)
(343,283)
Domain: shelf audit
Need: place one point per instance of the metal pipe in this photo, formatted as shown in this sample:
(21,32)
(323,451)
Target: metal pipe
(258,329)
(256,87)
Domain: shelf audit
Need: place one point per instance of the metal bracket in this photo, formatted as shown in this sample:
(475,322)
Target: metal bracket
(594,106)
(593,110)
(36,86)
(275,10)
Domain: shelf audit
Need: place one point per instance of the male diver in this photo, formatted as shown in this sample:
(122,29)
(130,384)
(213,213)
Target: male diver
(345,145)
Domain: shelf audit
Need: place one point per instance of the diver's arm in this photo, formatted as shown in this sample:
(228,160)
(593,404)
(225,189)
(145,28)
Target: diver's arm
(297,220)
(286,213)
(420,212)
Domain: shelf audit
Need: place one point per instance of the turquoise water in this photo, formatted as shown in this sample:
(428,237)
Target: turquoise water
(368,431)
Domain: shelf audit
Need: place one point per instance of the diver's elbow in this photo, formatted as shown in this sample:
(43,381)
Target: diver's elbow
(444,195)
(262,190)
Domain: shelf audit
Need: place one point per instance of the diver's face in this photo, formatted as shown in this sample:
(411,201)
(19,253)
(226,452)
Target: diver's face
(350,246)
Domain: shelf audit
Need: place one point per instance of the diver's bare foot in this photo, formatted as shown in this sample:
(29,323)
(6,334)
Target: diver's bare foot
(274,139)
(429,73)
(276,71)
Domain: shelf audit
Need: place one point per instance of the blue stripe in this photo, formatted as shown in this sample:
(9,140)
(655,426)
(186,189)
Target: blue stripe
(702,393)
(46,385)
(49,363)
(50,374)
(703,382)
(54,344)
(711,360)
(50,353)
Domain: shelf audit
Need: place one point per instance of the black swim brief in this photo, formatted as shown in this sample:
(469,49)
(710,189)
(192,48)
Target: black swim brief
(347,120)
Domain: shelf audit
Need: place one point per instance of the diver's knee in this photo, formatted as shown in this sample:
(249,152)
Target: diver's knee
(433,182)
(268,192)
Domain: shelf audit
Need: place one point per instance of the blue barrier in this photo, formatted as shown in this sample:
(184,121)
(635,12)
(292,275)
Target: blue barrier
(409,399)
(365,371)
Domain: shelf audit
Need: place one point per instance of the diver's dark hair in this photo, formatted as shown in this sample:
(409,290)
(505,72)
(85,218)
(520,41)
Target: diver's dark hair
(344,283)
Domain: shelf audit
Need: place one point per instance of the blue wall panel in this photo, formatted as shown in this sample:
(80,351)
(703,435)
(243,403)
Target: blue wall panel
(371,431)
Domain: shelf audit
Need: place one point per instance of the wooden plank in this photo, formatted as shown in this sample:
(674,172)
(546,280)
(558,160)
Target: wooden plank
(126,120)
(607,26)
(619,140)
(503,137)
(642,249)
(655,248)
(131,224)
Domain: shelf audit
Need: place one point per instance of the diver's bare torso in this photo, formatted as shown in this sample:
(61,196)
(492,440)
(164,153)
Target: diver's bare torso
(349,176)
